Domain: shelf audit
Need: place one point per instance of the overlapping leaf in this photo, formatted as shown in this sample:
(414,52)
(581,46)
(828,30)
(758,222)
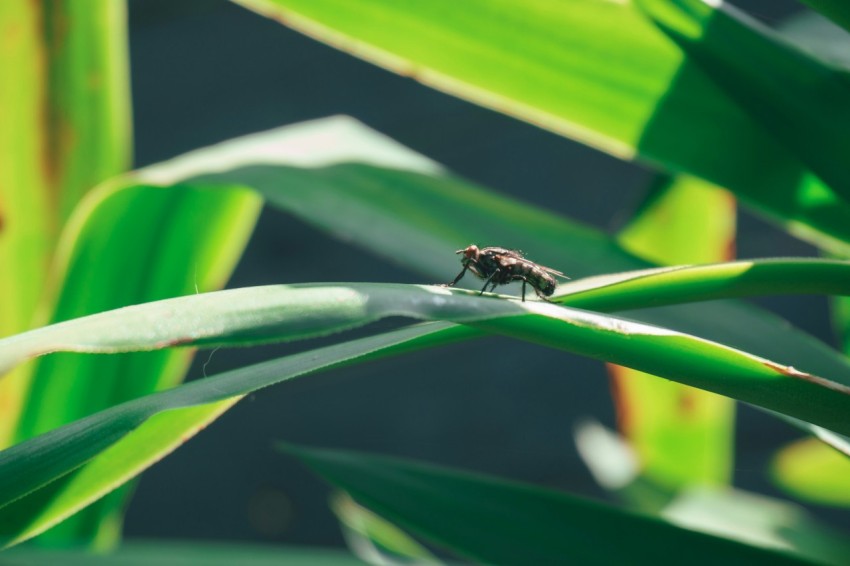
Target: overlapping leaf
(282,312)
(495,521)
(596,71)
(801,101)
(836,10)
(310,166)
(682,436)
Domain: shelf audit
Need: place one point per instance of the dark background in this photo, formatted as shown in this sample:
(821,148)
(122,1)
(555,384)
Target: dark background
(204,71)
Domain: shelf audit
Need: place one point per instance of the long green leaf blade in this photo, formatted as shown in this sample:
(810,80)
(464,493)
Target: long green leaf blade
(67,449)
(372,192)
(289,312)
(593,70)
(88,97)
(496,521)
(122,441)
(799,100)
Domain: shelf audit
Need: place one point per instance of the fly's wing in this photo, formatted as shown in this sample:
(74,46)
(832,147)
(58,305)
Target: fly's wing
(494,251)
(552,271)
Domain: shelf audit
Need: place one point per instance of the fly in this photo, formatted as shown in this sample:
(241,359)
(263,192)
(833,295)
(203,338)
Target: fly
(500,266)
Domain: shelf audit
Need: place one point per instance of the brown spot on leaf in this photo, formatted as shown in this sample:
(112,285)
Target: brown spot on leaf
(790,371)
(686,403)
(621,405)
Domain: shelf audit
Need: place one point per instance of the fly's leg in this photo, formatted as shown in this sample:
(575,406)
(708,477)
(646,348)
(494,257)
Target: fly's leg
(523,289)
(459,277)
(487,282)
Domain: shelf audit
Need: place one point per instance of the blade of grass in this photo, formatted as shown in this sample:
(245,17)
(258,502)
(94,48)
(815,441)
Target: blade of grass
(373,539)
(291,312)
(58,452)
(363,187)
(491,520)
(260,314)
(127,245)
(121,442)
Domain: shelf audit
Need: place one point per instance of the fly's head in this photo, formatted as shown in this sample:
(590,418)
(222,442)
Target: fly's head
(470,255)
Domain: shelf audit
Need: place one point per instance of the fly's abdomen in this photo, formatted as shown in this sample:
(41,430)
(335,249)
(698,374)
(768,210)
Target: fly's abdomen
(542,281)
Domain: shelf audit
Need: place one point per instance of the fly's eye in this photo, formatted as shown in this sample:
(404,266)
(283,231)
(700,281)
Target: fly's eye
(471,252)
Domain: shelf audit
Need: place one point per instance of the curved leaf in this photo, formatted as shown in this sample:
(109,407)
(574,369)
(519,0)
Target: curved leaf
(289,312)
(122,441)
(64,127)
(370,191)
(252,314)
(123,246)
(495,521)
(745,278)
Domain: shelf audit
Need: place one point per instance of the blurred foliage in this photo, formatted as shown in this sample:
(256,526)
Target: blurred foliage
(662,82)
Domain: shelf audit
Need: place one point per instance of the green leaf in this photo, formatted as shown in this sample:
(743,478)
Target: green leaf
(89,137)
(372,192)
(801,101)
(127,245)
(726,512)
(374,539)
(495,521)
(299,311)
(811,471)
(250,315)
(682,436)
(593,70)
(120,442)
(168,553)
(682,220)
(310,166)
(115,255)
(814,33)
(836,10)
(262,314)
(65,126)
(24,193)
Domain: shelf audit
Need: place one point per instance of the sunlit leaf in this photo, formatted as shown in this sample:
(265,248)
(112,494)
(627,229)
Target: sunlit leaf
(801,101)
(594,70)
(813,472)
(682,436)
